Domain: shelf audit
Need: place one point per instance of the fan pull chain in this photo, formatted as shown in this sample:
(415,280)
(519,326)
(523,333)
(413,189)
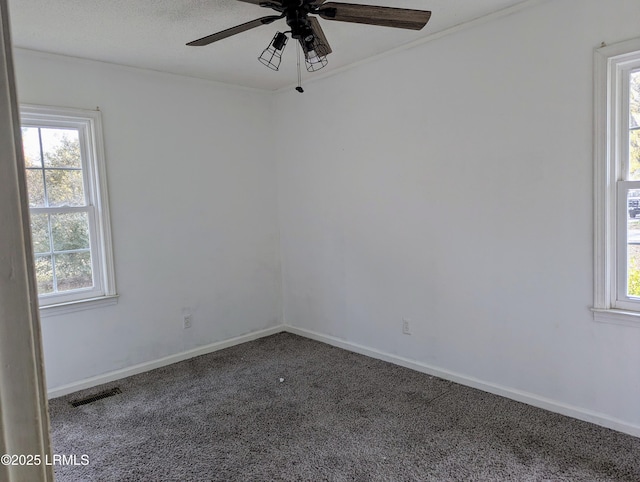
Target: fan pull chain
(299,88)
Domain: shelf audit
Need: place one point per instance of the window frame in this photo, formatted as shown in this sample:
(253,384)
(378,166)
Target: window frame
(612,68)
(89,126)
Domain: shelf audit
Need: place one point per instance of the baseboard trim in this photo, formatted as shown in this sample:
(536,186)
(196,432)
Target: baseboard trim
(517,395)
(161,362)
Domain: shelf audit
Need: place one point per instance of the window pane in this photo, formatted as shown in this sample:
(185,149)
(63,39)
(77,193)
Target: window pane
(73,271)
(40,233)
(633,243)
(635,100)
(70,231)
(64,187)
(31,147)
(35,188)
(44,274)
(60,147)
(634,155)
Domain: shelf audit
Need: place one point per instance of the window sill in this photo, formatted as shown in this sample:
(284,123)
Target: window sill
(615,316)
(80,305)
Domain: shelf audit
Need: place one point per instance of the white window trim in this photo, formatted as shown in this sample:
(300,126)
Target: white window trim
(89,125)
(611,304)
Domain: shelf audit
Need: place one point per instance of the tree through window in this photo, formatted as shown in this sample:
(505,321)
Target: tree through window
(633,201)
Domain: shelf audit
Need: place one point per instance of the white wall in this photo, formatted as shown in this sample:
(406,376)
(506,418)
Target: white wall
(452,184)
(192,188)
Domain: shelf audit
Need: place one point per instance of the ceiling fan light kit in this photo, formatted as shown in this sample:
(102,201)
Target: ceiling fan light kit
(272,55)
(316,63)
(306,29)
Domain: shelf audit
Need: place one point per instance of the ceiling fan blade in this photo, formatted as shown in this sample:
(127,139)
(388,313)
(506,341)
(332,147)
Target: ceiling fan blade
(234,30)
(321,43)
(258,2)
(374,15)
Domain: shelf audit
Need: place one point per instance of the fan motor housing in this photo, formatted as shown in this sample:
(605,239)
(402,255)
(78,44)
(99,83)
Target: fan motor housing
(298,22)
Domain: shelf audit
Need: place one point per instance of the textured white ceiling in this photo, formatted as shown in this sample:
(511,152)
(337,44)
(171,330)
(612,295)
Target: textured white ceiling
(152,34)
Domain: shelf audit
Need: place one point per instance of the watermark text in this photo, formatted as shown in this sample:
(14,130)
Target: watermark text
(38,459)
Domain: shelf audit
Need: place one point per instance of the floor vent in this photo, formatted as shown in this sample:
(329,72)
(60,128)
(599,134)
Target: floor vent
(97,396)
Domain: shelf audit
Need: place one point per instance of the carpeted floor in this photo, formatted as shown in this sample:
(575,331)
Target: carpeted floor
(335,416)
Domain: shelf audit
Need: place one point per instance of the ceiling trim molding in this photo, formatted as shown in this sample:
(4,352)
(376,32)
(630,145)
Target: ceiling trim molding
(422,40)
(86,61)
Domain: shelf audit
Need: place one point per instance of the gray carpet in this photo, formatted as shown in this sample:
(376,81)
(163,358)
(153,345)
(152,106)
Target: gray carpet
(336,416)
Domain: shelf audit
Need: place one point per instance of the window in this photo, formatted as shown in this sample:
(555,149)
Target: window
(617,183)
(68,207)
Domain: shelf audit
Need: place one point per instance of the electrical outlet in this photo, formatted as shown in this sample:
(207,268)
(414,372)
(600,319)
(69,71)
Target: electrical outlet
(406,326)
(186,321)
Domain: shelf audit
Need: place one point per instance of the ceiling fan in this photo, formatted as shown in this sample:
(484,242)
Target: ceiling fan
(306,29)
